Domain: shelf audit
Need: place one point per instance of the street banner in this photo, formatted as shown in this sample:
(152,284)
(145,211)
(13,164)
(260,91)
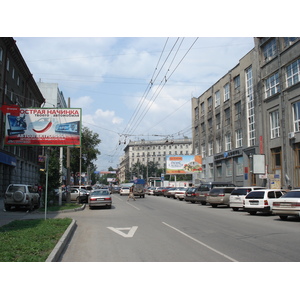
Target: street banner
(183,164)
(44,127)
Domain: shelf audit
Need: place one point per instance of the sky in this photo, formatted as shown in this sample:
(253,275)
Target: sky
(132,88)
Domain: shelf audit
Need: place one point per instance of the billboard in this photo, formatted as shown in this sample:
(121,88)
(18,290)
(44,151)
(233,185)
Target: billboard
(183,164)
(44,127)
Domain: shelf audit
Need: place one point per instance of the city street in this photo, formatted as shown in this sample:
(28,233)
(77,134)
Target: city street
(158,229)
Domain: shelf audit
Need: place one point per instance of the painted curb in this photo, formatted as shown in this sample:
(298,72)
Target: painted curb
(60,246)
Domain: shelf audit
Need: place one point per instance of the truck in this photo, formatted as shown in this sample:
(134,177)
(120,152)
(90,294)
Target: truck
(139,187)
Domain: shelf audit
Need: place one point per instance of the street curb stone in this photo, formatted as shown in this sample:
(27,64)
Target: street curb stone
(60,246)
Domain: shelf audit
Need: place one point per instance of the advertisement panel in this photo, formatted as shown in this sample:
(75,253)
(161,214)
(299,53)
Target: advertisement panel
(183,164)
(44,127)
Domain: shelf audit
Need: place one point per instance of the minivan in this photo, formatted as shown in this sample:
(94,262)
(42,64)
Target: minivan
(219,196)
(205,187)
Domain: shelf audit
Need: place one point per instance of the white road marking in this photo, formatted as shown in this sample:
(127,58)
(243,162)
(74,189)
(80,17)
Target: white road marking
(197,241)
(133,205)
(129,234)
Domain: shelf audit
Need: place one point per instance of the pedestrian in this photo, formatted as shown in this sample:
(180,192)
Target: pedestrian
(131,194)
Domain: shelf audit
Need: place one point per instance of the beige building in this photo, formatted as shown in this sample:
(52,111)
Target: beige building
(250,118)
(145,151)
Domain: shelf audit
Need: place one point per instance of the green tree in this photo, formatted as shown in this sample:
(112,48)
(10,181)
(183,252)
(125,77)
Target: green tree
(89,152)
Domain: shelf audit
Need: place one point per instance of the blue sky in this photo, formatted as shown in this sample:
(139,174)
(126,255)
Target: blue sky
(132,88)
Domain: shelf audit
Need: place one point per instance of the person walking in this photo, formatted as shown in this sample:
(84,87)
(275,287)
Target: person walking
(131,194)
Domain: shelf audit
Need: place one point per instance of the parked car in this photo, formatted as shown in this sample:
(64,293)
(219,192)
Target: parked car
(160,191)
(190,195)
(171,193)
(205,187)
(287,205)
(236,199)
(150,190)
(180,194)
(124,190)
(21,195)
(219,196)
(78,195)
(261,200)
(100,197)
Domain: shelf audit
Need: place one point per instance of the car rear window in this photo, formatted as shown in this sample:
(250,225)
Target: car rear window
(292,194)
(99,193)
(256,194)
(241,192)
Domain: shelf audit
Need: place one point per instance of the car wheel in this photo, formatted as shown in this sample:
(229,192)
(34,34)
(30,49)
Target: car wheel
(30,206)
(203,202)
(38,204)
(283,217)
(235,208)
(192,201)
(214,205)
(252,212)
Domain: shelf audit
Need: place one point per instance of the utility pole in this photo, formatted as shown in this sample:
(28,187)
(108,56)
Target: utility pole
(68,165)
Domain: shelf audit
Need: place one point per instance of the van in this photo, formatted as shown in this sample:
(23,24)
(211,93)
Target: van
(205,187)
(219,196)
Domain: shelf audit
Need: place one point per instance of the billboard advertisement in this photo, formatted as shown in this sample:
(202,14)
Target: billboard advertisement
(44,127)
(183,164)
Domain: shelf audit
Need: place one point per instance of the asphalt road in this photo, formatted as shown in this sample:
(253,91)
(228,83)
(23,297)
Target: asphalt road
(158,229)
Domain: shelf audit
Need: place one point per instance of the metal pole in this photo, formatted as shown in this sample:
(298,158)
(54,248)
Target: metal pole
(46,191)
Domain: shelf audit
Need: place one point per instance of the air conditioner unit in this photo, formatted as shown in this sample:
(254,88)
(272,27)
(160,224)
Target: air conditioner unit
(291,135)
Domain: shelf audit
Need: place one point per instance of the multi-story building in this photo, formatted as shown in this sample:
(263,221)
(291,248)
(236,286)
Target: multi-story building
(17,87)
(53,96)
(252,111)
(145,151)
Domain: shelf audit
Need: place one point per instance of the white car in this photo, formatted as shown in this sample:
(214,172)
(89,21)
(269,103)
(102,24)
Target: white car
(124,190)
(237,197)
(180,194)
(261,200)
(287,205)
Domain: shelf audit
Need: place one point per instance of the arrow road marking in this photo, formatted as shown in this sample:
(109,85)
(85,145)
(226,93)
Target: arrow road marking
(129,234)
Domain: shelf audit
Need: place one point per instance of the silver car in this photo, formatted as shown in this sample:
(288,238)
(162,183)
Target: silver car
(100,197)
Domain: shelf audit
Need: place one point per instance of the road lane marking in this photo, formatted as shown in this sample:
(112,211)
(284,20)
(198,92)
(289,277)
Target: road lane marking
(197,241)
(129,234)
(133,205)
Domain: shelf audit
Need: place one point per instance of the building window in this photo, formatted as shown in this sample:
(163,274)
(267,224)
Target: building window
(238,110)
(219,171)
(203,173)
(1,54)
(289,41)
(276,160)
(203,150)
(227,116)
(296,109)
(239,138)
(250,107)
(210,148)
(196,113)
(218,146)
(293,73)
(209,103)
(228,165)
(7,64)
(272,85)
(228,142)
(274,124)
(240,166)
(218,121)
(202,108)
(270,49)
(217,98)
(211,170)
(237,82)
(226,92)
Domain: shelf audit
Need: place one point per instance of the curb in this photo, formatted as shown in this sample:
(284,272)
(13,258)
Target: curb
(60,246)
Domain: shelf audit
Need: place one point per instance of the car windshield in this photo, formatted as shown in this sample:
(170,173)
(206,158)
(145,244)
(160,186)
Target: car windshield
(100,193)
(241,192)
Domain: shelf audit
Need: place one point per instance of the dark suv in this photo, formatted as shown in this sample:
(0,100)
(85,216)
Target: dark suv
(205,187)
